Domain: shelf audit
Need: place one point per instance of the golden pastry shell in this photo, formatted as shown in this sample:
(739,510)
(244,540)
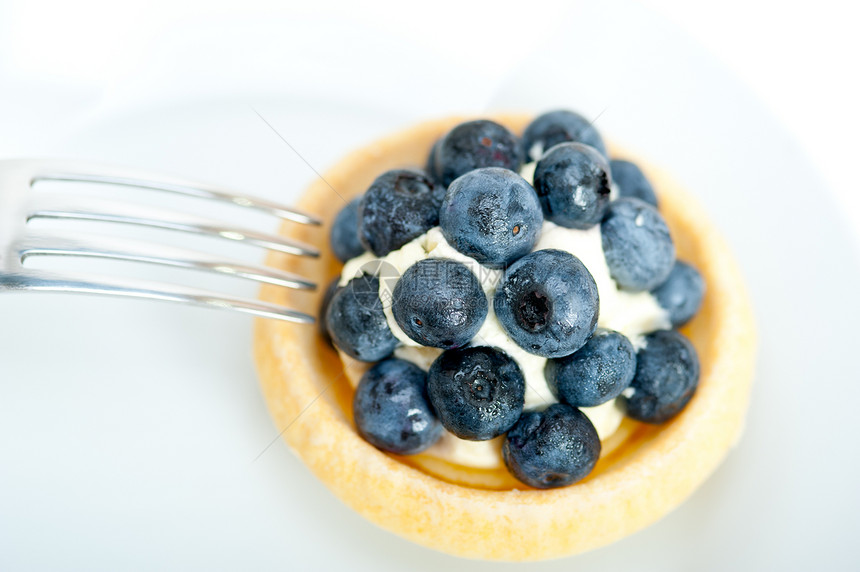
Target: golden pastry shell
(486,514)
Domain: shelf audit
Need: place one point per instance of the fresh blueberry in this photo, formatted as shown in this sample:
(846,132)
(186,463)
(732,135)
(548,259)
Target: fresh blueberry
(344,232)
(400,205)
(636,242)
(681,294)
(547,303)
(439,303)
(492,215)
(667,374)
(476,144)
(557,127)
(432,167)
(478,392)
(391,409)
(324,304)
(551,448)
(597,372)
(572,181)
(631,182)
(356,322)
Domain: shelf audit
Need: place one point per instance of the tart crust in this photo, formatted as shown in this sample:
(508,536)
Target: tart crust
(644,473)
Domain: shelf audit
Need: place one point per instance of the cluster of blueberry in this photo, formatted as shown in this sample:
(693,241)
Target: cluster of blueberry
(546,300)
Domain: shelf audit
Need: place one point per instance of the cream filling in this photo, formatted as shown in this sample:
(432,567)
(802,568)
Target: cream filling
(632,314)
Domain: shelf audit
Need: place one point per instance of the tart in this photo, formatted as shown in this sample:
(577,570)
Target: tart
(644,470)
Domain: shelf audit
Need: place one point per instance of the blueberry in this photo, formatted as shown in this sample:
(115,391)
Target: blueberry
(636,242)
(557,127)
(391,409)
(492,215)
(667,373)
(478,392)
(439,303)
(400,205)
(344,232)
(681,294)
(551,448)
(476,144)
(432,167)
(547,303)
(572,181)
(324,304)
(356,322)
(631,182)
(597,372)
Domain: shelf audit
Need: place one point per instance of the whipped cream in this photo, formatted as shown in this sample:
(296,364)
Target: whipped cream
(634,314)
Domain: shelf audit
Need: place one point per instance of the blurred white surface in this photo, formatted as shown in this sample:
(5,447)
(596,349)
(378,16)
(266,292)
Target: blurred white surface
(62,62)
(796,57)
(130,429)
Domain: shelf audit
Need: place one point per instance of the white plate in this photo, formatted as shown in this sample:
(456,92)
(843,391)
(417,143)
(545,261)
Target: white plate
(130,429)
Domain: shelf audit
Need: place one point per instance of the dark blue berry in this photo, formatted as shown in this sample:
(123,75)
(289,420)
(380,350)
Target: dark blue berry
(324,304)
(572,181)
(597,372)
(391,409)
(631,182)
(356,322)
(681,294)
(547,303)
(399,206)
(492,215)
(476,144)
(478,392)
(557,127)
(344,232)
(667,374)
(432,167)
(439,303)
(636,242)
(551,448)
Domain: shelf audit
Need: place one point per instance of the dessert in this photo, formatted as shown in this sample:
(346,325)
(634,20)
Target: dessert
(480,498)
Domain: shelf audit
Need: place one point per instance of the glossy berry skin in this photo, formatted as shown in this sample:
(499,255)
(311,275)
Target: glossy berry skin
(356,322)
(492,215)
(596,373)
(572,181)
(400,205)
(667,374)
(477,392)
(439,303)
(556,127)
(324,304)
(631,182)
(344,232)
(391,409)
(551,448)
(636,242)
(681,294)
(474,145)
(547,303)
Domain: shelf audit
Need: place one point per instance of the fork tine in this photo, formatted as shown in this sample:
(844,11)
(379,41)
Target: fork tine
(50,244)
(63,207)
(107,174)
(32,280)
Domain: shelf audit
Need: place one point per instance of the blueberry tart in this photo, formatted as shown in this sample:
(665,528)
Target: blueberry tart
(533,344)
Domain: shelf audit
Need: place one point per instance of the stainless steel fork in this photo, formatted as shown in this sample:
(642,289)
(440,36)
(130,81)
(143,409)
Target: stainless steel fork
(19,205)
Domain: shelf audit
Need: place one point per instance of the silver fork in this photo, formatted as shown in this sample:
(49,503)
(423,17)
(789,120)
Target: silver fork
(19,205)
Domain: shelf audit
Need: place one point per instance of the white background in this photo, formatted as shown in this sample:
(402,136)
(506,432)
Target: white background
(798,57)
(128,432)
